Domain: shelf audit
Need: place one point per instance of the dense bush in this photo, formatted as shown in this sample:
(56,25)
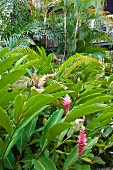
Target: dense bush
(43,112)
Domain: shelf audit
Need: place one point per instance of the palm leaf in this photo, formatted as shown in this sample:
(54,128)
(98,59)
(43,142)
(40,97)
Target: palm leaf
(43,63)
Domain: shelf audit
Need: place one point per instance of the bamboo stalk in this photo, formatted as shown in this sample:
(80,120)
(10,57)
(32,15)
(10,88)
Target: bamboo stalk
(65,32)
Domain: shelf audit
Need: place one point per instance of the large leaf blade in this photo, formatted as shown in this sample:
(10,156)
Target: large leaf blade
(55,117)
(43,164)
(57,129)
(7,63)
(82,111)
(2,145)
(18,104)
(11,77)
(18,131)
(5,121)
(72,157)
(3,51)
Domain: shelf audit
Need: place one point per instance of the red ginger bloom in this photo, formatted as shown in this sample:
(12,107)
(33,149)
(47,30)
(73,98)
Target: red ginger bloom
(66,103)
(81,141)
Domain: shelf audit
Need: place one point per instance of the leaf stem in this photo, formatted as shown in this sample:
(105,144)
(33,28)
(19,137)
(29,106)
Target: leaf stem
(62,142)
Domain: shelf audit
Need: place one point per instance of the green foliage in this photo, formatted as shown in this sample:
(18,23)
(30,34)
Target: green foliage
(43,164)
(71,64)
(35,132)
(16,17)
(43,62)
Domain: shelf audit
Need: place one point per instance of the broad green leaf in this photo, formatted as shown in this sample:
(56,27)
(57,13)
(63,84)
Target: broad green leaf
(98,99)
(57,129)
(89,98)
(11,77)
(79,86)
(2,145)
(43,164)
(110,78)
(111,138)
(12,142)
(26,133)
(8,97)
(61,137)
(79,112)
(3,51)
(78,63)
(4,90)
(96,130)
(87,160)
(90,91)
(39,102)
(9,161)
(72,157)
(35,99)
(101,118)
(5,121)
(42,52)
(52,88)
(82,167)
(61,94)
(90,144)
(21,126)
(98,160)
(31,127)
(22,141)
(69,61)
(54,118)
(18,104)
(18,63)
(7,63)
(29,63)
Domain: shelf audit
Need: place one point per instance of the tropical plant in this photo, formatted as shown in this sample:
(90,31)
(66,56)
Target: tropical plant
(36,133)
(69,22)
(16,17)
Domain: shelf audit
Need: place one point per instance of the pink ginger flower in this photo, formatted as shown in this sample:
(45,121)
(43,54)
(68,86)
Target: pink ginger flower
(81,141)
(66,103)
(101,102)
(42,80)
(97,76)
(35,79)
(77,121)
(80,120)
(51,75)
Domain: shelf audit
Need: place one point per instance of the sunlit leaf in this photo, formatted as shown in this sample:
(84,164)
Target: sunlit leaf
(18,104)
(57,129)
(43,164)
(54,118)
(5,121)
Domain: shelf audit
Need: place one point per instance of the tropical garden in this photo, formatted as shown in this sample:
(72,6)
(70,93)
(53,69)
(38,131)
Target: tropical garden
(56,85)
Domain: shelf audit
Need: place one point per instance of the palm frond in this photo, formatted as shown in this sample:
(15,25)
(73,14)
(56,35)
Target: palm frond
(44,62)
(18,40)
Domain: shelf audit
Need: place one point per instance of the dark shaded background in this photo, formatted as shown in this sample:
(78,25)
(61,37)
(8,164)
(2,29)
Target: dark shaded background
(109,6)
